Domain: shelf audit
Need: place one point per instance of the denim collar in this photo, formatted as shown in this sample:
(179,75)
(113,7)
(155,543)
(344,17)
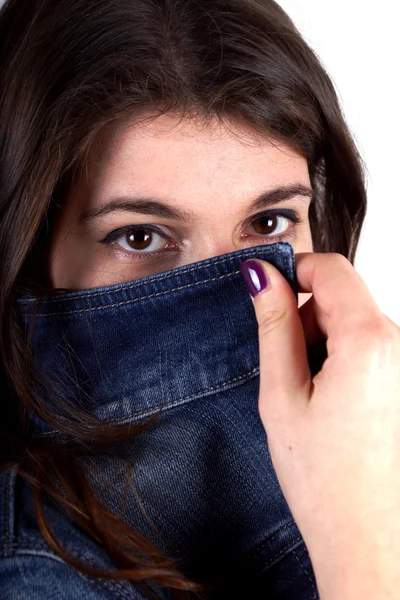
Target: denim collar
(124,352)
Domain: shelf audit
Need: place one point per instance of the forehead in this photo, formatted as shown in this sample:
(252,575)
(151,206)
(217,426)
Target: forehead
(187,159)
(200,144)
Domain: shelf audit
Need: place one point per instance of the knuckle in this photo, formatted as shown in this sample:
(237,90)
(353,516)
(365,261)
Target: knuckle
(272,318)
(378,334)
(338,260)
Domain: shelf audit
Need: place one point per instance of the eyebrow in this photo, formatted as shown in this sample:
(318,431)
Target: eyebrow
(153,206)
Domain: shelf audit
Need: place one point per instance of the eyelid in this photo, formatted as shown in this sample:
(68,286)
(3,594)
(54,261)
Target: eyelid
(117,233)
(283,212)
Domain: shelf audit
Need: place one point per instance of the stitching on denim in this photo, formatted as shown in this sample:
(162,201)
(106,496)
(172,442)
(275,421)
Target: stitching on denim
(33,544)
(279,554)
(101,585)
(50,556)
(134,417)
(125,302)
(6,510)
(156,279)
(26,540)
(315,597)
(270,538)
(29,542)
(33,552)
(86,310)
(206,389)
(184,400)
(9,514)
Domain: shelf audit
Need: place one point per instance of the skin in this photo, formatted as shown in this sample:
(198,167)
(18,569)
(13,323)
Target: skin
(334,438)
(211,172)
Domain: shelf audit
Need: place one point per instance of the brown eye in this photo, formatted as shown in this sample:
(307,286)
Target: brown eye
(268,224)
(141,240)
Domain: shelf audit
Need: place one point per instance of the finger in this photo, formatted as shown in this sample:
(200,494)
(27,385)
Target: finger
(342,300)
(308,314)
(284,369)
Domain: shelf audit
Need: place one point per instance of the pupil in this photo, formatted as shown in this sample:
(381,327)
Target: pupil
(266,223)
(138,240)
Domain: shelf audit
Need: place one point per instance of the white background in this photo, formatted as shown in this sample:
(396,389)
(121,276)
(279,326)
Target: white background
(358,43)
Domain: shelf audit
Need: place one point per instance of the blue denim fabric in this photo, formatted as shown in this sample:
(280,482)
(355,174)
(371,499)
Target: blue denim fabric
(183,342)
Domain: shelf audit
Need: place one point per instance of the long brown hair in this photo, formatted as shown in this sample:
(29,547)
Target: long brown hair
(68,70)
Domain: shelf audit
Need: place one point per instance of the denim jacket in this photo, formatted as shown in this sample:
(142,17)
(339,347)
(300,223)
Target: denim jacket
(183,343)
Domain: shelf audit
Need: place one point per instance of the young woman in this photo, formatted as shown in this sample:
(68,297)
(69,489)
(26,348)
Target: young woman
(148,147)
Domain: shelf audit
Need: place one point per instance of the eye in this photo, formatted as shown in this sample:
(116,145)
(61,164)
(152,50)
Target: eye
(144,241)
(274,223)
(269,225)
(140,239)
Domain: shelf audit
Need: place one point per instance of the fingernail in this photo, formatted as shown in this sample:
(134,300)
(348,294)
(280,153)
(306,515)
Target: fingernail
(254,276)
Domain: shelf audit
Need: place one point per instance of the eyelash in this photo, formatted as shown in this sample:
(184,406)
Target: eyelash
(117,234)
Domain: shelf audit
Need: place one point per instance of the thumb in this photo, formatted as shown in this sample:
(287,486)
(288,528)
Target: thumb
(285,378)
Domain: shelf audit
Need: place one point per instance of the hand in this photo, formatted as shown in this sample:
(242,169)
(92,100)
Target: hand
(334,439)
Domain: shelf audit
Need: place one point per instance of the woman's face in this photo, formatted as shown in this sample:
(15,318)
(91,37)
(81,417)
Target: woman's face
(154,197)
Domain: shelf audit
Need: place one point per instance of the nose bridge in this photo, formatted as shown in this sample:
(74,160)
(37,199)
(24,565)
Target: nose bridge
(204,251)
(212,242)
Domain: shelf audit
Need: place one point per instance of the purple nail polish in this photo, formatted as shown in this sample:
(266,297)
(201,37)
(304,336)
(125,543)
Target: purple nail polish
(254,276)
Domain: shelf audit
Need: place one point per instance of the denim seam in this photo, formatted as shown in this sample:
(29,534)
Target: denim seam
(99,585)
(6,523)
(32,544)
(156,279)
(236,381)
(125,302)
(283,551)
(204,391)
(315,597)
(54,557)
(269,539)
(8,513)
